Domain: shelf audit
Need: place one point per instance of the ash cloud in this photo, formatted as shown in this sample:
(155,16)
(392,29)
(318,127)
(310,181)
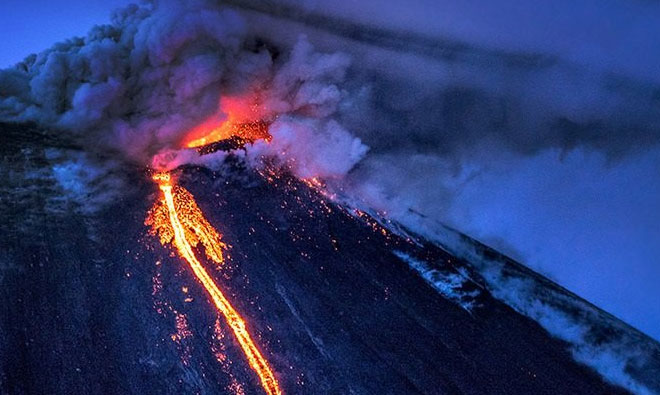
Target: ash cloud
(127,86)
(451,87)
(135,87)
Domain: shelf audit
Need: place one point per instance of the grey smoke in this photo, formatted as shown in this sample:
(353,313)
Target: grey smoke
(136,86)
(461,93)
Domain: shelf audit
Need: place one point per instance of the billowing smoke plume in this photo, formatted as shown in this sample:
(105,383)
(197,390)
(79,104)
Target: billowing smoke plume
(137,86)
(516,133)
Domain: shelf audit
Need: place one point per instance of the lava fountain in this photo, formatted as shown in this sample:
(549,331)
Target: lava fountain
(178,220)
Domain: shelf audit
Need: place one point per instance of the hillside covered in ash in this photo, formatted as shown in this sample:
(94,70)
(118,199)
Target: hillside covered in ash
(337,299)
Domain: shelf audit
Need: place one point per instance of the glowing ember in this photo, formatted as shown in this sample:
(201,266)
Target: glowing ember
(236,117)
(219,350)
(182,332)
(195,227)
(178,219)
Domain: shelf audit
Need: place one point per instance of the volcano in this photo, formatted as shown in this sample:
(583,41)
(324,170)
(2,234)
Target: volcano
(336,299)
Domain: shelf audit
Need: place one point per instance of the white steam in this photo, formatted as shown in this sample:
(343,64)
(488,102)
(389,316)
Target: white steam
(312,148)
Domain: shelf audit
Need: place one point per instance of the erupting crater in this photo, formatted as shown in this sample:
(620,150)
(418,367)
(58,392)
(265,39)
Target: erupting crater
(236,118)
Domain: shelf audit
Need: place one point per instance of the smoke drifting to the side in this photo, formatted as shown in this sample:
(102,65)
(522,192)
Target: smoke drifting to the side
(538,134)
(407,106)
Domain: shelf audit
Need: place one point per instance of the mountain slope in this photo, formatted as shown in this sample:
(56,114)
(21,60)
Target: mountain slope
(337,303)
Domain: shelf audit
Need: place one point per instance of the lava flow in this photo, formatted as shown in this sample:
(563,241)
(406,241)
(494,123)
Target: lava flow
(236,117)
(178,219)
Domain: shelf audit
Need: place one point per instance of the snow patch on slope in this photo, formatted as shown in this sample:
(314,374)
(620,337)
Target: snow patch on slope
(619,353)
(449,285)
(83,181)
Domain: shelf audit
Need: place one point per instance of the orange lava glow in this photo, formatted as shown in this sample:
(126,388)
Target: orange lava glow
(236,117)
(178,219)
(195,227)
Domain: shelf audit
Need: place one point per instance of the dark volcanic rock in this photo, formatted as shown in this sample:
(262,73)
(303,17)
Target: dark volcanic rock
(89,304)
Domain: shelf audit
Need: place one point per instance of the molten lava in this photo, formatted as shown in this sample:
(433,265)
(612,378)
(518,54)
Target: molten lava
(236,117)
(178,219)
(195,227)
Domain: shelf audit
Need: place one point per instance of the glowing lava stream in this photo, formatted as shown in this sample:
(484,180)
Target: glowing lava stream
(237,324)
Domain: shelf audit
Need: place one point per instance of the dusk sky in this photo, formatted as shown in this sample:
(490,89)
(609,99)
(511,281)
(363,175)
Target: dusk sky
(32,26)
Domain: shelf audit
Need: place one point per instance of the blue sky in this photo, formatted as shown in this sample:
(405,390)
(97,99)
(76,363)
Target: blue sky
(32,26)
